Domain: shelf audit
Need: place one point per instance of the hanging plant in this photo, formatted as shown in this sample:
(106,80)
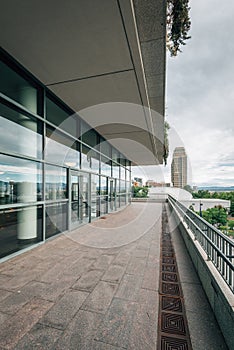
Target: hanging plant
(166,142)
(178,24)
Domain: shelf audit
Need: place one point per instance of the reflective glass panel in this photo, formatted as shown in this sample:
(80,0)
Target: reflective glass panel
(103,185)
(94,194)
(122,173)
(60,117)
(56,219)
(20,133)
(61,149)
(105,166)
(19,228)
(105,147)
(20,180)
(115,170)
(55,182)
(17,88)
(89,135)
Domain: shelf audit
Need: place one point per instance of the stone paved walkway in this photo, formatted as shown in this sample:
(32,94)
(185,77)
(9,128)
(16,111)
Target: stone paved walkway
(95,288)
(101,295)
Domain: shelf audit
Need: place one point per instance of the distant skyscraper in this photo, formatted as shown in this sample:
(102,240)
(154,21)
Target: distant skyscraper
(179,167)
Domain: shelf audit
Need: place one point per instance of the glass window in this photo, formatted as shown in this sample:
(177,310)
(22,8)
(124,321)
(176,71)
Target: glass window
(20,133)
(20,227)
(60,117)
(115,170)
(20,180)
(94,194)
(128,175)
(90,159)
(56,219)
(122,173)
(122,160)
(17,88)
(105,147)
(89,135)
(61,149)
(115,154)
(105,166)
(55,182)
(103,185)
(122,186)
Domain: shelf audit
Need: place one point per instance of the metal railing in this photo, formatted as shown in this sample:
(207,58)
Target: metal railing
(218,247)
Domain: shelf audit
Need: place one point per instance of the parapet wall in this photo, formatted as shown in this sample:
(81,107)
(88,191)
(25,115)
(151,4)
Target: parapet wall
(218,293)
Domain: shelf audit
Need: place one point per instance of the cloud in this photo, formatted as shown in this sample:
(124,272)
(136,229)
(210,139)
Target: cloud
(200,93)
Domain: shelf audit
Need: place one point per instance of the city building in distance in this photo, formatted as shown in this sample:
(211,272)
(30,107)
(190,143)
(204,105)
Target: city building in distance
(179,167)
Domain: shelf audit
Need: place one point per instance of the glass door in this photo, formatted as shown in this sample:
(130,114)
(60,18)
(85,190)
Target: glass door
(79,195)
(111,195)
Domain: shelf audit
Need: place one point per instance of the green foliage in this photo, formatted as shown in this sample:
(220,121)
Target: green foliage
(166,142)
(201,194)
(178,22)
(216,216)
(217,195)
(231,224)
(140,192)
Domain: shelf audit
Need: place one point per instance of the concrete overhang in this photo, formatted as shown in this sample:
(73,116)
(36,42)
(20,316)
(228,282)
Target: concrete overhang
(98,53)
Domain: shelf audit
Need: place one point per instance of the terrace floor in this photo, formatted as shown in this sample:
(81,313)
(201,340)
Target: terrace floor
(98,287)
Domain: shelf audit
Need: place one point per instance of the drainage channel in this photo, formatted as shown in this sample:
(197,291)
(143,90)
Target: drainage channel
(173,330)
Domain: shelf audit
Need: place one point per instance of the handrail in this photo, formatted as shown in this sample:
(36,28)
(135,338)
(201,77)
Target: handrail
(218,247)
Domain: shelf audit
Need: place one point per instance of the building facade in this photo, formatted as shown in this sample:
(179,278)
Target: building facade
(54,175)
(60,169)
(179,168)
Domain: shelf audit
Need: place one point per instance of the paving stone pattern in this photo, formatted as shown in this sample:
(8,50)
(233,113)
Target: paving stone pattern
(65,295)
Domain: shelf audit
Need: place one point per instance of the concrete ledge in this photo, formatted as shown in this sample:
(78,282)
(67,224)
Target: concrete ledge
(218,293)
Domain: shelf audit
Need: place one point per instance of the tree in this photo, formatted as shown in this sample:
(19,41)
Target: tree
(140,192)
(231,224)
(178,23)
(216,216)
(231,212)
(201,194)
(166,142)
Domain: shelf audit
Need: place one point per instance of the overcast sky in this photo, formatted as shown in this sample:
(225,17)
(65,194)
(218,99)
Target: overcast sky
(200,96)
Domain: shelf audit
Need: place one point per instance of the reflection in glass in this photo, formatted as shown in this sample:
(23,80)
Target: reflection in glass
(60,117)
(61,149)
(79,198)
(103,185)
(90,159)
(122,173)
(55,182)
(20,133)
(89,135)
(103,204)
(115,170)
(111,194)
(105,166)
(56,219)
(94,194)
(122,186)
(17,88)
(105,147)
(10,221)
(20,180)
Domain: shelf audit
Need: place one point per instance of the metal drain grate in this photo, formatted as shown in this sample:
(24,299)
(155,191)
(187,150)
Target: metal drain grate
(170,268)
(170,288)
(167,260)
(169,277)
(173,324)
(173,331)
(169,343)
(171,304)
